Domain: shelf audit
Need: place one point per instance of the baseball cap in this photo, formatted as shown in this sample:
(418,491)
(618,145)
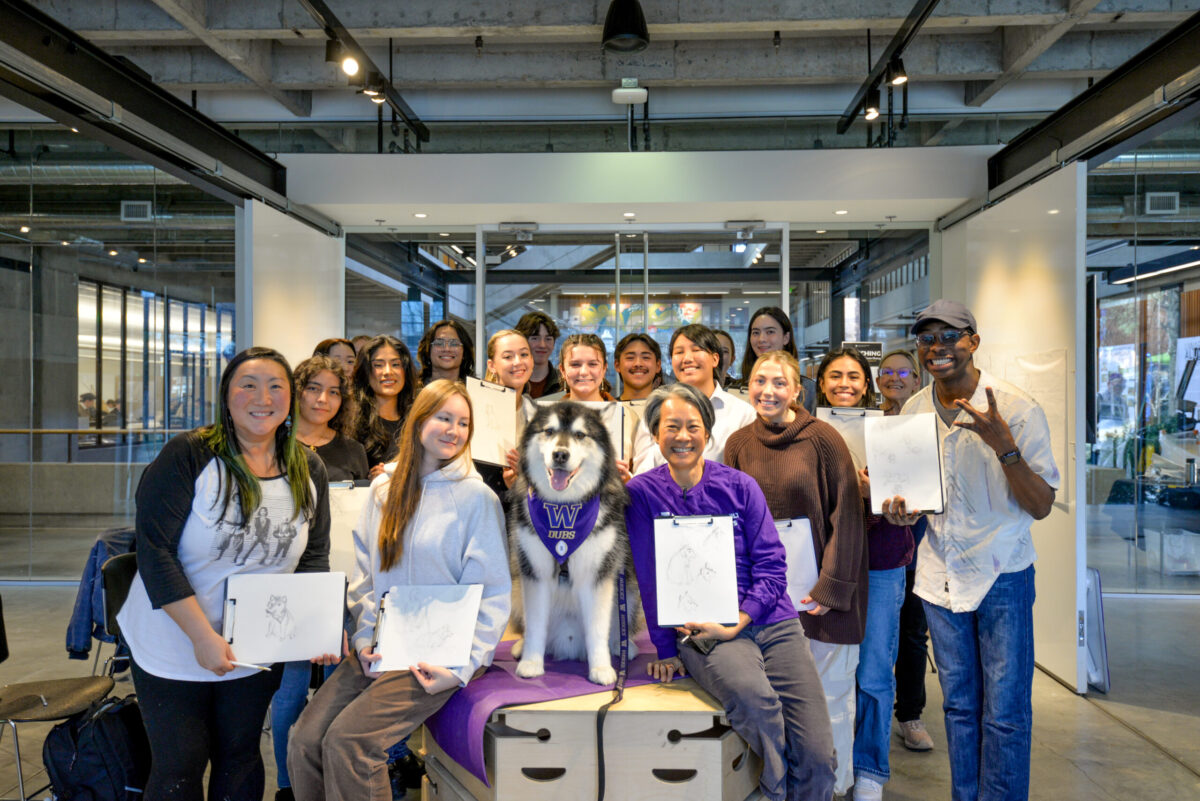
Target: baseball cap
(950,312)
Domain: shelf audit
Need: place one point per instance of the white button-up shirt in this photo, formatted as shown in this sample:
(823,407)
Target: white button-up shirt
(731,413)
(984,531)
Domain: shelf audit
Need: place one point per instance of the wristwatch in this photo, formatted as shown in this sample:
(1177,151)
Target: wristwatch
(1010,458)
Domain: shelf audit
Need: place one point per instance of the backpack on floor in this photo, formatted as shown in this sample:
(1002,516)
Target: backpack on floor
(101,754)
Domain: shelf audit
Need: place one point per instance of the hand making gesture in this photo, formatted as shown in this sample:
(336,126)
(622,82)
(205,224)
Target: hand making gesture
(989,425)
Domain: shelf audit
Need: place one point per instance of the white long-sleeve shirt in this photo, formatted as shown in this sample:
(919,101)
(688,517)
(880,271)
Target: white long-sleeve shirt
(455,537)
(731,413)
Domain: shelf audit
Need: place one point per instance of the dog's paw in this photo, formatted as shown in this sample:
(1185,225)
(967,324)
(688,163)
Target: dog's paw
(517,648)
(601,674)
(531,668)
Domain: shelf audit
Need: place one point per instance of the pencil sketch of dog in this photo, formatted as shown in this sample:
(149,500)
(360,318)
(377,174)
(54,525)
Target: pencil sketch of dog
(566,457)
(281,623)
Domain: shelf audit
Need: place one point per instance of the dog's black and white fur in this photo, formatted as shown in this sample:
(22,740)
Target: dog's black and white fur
(575,618)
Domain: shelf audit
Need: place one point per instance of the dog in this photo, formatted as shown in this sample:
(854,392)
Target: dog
(281,623)
(567,476)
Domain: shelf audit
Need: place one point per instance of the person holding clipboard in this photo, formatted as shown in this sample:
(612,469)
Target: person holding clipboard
(759,669)
(199,704)
(430,520)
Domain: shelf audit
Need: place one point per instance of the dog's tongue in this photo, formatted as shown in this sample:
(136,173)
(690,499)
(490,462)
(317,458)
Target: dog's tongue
(559,479)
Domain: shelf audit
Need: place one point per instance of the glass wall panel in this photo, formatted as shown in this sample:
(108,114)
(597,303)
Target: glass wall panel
(1143,501)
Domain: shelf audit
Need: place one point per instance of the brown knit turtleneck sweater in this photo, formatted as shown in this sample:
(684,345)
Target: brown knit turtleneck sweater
(805,470)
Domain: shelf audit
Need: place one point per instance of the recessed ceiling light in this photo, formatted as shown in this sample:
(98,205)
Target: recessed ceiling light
(420,215)
(820,230)
(112,252)
(141,261)
(841,211)
(443,233)
(65,243)
(1052,211)
(24,229)
(629,215)
(74,130)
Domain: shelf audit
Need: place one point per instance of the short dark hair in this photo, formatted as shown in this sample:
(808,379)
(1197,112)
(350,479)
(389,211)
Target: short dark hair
(325,345)
(649,342)
(465,368)
(685,392)
(868,399)
(703,336)
(531,321)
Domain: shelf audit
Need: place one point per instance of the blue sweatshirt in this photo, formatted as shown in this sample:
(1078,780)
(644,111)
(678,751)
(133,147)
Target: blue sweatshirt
(761,559)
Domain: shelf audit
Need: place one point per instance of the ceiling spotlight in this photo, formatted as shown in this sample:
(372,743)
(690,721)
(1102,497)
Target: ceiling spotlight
(841,211)
(420,215)
(112,252)
(374,85)
(896,75)
(443,233)
(1052,211)
(820,230)
(625,27)
(65,243)
(871,105)
(629,215)
(142,261)
(335,51)
(25,229)
(379,100)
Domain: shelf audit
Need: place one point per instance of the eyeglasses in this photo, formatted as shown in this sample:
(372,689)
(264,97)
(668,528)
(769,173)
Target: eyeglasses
(451,344)
(888,372)
(947,336)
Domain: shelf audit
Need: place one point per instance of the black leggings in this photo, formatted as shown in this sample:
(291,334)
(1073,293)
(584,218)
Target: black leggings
(911,655)
(192,722)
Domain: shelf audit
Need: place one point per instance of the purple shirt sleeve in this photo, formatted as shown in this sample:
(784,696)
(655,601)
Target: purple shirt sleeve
(640,524)
(768,560)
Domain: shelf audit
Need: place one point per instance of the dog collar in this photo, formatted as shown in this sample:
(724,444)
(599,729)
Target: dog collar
(562,527)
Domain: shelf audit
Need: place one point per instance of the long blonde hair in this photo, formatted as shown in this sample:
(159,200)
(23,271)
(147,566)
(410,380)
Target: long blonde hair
(404,490)
(788,362)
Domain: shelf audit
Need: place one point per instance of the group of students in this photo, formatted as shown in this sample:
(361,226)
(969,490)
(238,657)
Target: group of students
(811,691)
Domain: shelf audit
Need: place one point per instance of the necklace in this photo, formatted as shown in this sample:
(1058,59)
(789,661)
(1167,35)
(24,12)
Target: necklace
(320,441)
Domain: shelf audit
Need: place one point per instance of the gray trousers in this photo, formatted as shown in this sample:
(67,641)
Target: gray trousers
(767,681)
(338,747)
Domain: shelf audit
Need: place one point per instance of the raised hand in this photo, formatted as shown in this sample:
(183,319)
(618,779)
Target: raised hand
(989,425)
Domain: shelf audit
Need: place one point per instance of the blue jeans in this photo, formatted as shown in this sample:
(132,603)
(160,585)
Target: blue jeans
(286,705)
(875,676)
(985,664)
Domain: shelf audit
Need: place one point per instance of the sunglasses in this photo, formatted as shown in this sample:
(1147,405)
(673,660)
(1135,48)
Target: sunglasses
(946,337)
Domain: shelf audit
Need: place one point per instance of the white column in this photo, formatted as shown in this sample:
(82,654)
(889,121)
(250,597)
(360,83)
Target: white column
(291,283)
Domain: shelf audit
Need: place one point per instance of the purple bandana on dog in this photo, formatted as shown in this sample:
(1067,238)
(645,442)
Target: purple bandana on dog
(562,526)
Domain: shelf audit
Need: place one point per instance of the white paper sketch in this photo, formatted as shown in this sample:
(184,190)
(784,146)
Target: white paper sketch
(284,617)
(696,575)
(796,536)
(904,457)
(434,624)
(615,419)
(849,423)
(346,503)
(497,422)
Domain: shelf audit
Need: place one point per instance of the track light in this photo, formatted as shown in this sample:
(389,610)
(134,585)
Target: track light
(378,99)
(375,86)
(896,75)
(335,51)
(625,27)
(871,105)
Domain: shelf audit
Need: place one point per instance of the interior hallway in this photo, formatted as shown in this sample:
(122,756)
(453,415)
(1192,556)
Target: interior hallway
(1141,741)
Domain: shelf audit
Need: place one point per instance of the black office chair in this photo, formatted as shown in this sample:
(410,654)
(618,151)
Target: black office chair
(116,576)
(46,701)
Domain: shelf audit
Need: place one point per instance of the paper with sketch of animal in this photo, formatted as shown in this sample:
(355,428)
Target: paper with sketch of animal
(849,423)
(434,624)
(695,570)
(346,503)
(904,457)
(498,422)
(284,617)
(796,537)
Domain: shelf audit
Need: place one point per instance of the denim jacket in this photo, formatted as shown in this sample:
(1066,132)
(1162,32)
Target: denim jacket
(87,619)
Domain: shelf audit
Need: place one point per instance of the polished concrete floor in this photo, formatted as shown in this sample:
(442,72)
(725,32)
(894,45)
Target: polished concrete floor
(1142,740)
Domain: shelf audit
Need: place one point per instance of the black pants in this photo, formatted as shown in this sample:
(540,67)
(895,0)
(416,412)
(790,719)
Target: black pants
(190,723)
(911,656)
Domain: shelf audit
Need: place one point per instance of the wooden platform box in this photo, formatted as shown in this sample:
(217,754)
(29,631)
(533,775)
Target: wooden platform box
(662,742)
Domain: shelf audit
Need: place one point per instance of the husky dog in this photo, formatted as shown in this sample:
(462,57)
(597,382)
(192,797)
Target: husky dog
(281,624)
(567,541)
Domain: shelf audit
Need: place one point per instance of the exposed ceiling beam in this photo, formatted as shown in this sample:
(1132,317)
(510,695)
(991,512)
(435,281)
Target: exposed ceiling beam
(900,40)
(251,58)
(940,133)
(1021,45)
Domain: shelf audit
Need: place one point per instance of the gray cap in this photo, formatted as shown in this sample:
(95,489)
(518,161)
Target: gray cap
(950,312)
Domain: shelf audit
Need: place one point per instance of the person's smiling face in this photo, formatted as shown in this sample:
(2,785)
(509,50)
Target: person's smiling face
(637,366)
(541,345)
(446,349)
(259,399)
(693,364)
(512,363)
(843,382)
(387,372)
(447,431)
(583,370)
(321,398)
(681,435)
(898,379)
(946,361)
(772,391)
(766,335)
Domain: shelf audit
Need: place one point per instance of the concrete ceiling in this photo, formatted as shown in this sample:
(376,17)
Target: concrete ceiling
(271,50)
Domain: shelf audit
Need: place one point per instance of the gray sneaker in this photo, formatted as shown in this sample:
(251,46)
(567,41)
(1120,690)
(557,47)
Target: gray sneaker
(915,737)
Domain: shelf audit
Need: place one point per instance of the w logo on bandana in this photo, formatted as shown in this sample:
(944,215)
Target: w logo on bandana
(562,526)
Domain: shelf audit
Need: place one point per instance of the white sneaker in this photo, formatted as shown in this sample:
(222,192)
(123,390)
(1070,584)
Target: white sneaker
(915,736)
(867,789)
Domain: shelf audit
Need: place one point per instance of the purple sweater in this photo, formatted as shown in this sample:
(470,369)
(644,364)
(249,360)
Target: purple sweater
(761,565)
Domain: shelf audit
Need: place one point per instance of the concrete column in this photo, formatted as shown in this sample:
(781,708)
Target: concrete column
(291,283)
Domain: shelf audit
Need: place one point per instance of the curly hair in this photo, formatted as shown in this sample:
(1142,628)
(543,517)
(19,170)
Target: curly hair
(465,368)
(368,428)
(309,368)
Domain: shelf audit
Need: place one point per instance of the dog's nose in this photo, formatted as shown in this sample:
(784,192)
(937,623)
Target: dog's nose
(561,455)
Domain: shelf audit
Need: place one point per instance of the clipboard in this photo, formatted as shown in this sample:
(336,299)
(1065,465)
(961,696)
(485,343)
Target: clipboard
(849,422)
(904,457)
(695,570)
(497,422)
(426,623)
(802,573)
(346,502)
(284,617)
